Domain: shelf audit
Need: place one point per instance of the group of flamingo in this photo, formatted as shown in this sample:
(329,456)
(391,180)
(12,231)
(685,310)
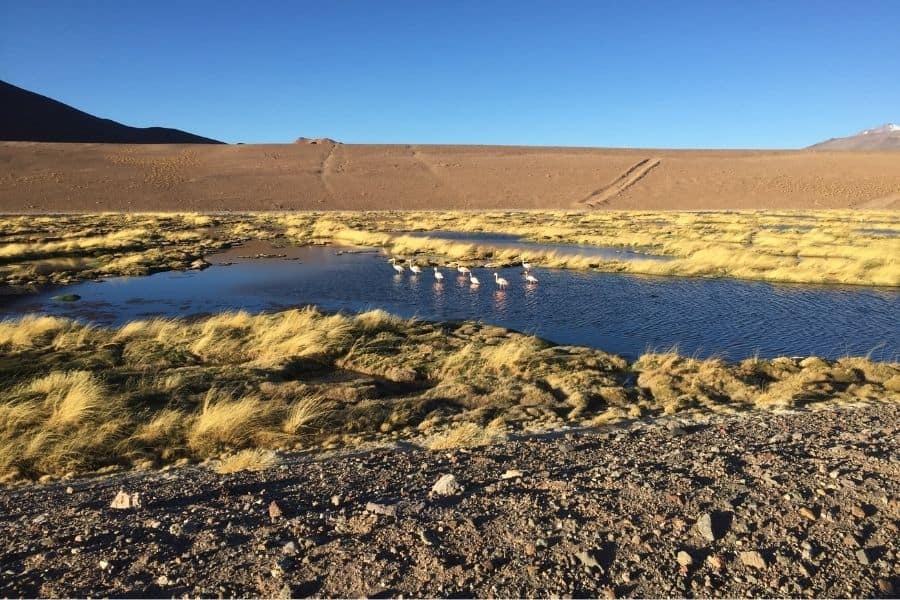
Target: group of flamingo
(464,271)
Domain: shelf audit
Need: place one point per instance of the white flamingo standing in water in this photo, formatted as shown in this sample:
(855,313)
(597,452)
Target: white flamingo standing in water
(530,278)
(438,275)
(398,268)
(526,266)
(501,282)
(462,269)
(416,269)
(474,280)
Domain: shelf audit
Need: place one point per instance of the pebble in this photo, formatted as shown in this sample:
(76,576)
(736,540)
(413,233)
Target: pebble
(124,500)
(710,529)
(862,556)
(587,559)
(274,511)
(511,474)
(387,510)
(754,559)
(428,537)
(715,562)
(447,485)
(685,559)
(807,513)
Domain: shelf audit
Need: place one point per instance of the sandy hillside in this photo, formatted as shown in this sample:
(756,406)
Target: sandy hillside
(40,177)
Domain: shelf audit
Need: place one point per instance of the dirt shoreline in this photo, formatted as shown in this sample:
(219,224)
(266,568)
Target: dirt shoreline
(51,178)
(799,503)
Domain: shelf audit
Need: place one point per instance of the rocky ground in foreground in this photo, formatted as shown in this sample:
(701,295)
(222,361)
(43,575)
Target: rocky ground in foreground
(794,504)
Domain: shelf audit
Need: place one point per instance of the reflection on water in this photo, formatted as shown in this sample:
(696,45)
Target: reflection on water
(877,231)
(619,313)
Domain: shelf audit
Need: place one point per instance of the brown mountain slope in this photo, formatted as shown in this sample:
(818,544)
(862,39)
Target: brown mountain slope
(87,177)
(30,117)
(886,137)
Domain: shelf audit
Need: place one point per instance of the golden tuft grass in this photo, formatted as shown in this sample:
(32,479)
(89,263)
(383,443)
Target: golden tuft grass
(160,391)
(464,435)
(308,415)
(252,459)
(227,424)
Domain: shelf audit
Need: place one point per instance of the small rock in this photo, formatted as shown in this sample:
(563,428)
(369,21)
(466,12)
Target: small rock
(103,564)
(715,562)
(807,513)
(685,559)
(428,537)
(858,511)
(713,526)
(290,549)
(676,430)
(162,580)
(587,559)
(753,559)
(388,510)
(336,500)
(862,555)
(447,485)
(511,474)
(69,490)
(274,511)
(124,500)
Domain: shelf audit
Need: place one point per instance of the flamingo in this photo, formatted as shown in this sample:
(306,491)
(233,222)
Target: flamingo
(526,266)
(462,269)
(530,278)
(416,269)
(501,282)
(474,280)
(398,268)
(438,275)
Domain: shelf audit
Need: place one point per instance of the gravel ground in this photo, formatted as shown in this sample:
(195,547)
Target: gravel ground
(792,504)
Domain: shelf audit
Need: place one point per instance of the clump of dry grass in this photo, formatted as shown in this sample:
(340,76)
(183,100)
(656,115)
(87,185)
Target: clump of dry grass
(227,424)
(160,391)
(252,459)
(464,435)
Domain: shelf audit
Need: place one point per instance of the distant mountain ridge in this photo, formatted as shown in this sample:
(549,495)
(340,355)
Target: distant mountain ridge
(886,137)
(30,117)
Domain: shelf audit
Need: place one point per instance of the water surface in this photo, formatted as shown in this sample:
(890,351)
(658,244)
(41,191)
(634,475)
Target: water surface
(624,314)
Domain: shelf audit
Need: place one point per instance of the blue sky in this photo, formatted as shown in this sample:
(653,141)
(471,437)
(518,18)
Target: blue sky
(664,73)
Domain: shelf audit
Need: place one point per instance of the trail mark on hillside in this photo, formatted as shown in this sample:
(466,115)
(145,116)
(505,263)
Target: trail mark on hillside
(618,185)
(325,169)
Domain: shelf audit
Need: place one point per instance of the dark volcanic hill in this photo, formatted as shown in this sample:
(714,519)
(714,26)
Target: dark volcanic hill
(30,117)
(886,137)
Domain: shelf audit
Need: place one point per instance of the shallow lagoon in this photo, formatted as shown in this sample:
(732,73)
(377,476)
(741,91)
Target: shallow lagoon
(623,314)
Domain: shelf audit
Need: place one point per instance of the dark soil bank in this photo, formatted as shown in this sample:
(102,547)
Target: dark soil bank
(799,504)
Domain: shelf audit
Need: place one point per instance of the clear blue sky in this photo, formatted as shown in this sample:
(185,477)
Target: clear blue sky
(662,73)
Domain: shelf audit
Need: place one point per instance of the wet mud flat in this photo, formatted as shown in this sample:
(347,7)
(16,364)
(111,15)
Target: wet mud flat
(794,504)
